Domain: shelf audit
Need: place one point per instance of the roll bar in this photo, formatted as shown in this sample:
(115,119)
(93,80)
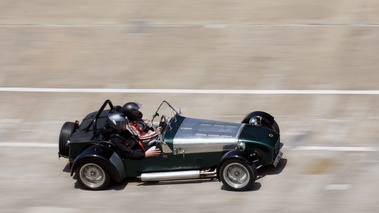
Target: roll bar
(106,102)
(94,121)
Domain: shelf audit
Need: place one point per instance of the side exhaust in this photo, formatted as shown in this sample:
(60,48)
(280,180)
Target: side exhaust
(177,175)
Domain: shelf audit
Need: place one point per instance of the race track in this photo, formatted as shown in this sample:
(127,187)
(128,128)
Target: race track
(313,65)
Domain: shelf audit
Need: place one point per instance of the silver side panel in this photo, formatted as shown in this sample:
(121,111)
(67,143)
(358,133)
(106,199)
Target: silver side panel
(197,135)
(178,175)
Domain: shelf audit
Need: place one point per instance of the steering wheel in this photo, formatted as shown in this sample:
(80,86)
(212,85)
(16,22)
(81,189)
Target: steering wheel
(163,123)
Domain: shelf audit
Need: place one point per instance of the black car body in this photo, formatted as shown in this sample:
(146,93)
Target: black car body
(191,148)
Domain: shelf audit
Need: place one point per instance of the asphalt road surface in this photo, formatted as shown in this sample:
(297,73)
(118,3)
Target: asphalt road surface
(311,64)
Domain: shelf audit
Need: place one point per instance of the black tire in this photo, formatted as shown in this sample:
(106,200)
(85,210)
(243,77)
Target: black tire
(237,175)
(67,130)
(275,126)
(93,175)
(268,120)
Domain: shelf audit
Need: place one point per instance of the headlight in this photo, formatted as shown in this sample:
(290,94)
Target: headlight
(241,145)
(255,121)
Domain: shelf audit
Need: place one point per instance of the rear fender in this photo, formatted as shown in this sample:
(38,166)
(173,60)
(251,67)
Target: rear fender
(112,162)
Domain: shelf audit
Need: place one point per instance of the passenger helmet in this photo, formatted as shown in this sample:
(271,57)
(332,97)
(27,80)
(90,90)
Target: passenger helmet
(131,110)
(117,121)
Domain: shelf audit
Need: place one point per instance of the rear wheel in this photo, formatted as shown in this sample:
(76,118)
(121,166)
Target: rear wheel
(93,176)
(237,175)
(67,130)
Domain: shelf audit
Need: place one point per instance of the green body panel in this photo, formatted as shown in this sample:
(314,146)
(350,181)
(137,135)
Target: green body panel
(256,138)
(263,140)
(171,162)
(170,133)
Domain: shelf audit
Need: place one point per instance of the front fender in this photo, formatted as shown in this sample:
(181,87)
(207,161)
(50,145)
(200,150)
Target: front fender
(238,154)
(112,162)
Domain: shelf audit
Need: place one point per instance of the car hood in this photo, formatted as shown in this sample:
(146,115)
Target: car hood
(199,135)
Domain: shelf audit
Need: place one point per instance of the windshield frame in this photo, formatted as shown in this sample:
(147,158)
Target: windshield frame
(162,109)
(169,120)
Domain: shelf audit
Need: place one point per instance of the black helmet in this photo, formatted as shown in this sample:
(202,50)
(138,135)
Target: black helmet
(131,110)
(117,121)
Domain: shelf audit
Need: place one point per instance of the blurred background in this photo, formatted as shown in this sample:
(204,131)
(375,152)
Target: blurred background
(199,45)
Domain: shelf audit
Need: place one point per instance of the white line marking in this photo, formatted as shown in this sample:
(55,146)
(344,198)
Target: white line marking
(192,91)
(163,24)
(335,148)
(215,26)
(337,187)
(37,145)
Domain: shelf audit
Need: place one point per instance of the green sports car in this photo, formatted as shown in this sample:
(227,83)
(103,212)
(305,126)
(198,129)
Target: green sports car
(191,149)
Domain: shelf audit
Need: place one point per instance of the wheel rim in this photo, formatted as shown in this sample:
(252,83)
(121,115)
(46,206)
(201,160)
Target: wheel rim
(236,175)
(92,175)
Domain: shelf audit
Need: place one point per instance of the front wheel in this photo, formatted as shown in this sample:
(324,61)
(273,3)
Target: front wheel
(237,175)
(93,176)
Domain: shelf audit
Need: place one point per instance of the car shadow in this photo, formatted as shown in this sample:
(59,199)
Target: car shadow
(255,187)
(117,186)
(271,170)
(113,186)
(176,182)
(262,172)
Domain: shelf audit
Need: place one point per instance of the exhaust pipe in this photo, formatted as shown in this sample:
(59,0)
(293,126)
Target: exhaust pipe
(177,175)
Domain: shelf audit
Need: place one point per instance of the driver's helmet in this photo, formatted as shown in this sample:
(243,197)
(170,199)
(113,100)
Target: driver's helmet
(131,110)
(117,121)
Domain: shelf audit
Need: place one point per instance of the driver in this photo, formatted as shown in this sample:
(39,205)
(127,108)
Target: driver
(132,148)
(142,128)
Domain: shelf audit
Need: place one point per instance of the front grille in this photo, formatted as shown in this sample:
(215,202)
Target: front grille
(277,148)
